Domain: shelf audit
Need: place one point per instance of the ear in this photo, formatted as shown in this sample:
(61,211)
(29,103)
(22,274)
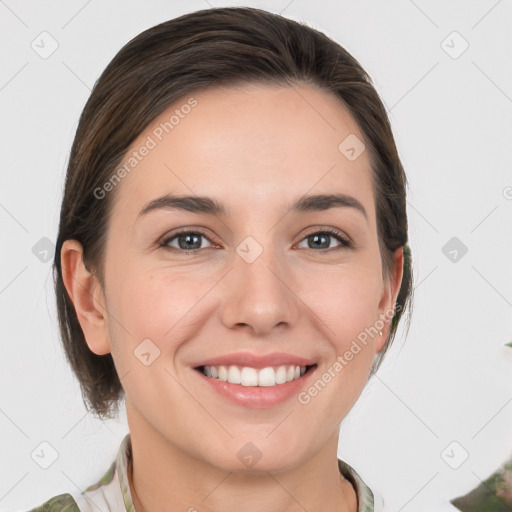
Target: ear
(391,288)
(87,296)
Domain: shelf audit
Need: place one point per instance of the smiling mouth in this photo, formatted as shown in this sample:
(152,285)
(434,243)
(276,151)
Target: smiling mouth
(248,376)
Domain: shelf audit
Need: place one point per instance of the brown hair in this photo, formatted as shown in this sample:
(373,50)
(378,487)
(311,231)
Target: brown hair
(211,47)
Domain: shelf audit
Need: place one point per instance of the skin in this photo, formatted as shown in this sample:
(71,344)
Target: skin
(256,149)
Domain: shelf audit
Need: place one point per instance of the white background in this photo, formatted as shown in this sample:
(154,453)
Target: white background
(449,380)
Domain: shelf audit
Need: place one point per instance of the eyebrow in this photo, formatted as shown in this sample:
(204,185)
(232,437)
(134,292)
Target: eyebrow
(210,206)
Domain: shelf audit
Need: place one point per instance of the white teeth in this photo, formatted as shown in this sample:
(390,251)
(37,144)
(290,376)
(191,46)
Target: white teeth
(247,376)
(267,377)
(223,373)
(281,375)
(234,375)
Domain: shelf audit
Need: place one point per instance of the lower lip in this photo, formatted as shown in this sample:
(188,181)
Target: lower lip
(258,397)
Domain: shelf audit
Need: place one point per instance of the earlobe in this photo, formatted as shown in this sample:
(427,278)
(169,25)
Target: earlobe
(389,297)
(381,339)
(87,296)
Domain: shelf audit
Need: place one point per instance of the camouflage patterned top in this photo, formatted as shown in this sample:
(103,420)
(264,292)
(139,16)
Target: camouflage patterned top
(492,495)
(112,491)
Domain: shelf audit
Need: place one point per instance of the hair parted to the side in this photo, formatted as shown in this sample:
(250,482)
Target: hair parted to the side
(231,46)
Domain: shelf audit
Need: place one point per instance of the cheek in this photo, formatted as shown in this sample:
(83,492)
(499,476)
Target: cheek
(154,315)
(345,303)
(166,304)
(345,309)
(158,305)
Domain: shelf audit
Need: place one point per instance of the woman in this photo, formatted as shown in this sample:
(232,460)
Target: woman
(232,261)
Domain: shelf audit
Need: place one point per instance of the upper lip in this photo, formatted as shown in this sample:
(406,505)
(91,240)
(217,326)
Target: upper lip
(255,360)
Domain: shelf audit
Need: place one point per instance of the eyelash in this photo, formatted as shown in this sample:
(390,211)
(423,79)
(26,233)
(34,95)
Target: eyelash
(345,243)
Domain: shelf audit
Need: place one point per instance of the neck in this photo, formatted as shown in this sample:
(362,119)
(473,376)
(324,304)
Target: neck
(164,478)
(345,500)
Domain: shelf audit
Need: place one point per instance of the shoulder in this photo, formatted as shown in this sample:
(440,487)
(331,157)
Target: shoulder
(111,492)
(367,501)
(61,503)
(494,493)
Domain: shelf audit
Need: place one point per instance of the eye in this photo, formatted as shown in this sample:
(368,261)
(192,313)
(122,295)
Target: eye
(317,239)
(189,242)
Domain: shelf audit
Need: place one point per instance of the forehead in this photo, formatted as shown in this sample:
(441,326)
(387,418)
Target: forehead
(248,145)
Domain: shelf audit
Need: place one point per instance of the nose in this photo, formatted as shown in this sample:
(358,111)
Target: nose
(259,297)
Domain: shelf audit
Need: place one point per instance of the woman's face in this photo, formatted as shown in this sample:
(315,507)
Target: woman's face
(262,278)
